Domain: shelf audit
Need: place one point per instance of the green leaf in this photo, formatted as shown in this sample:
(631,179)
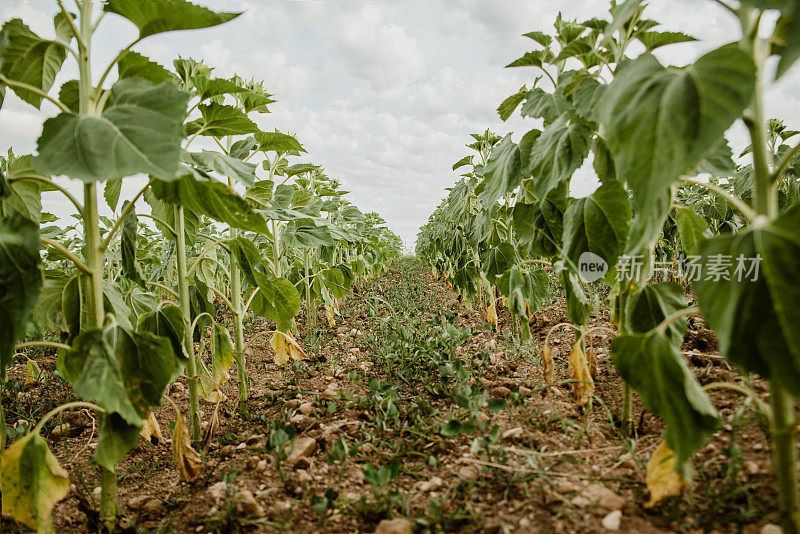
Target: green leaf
(502,173)
(786,39)
(277,142)
(133,65)
(206,196)
(598,224)
(466,160)
(660,122)
(334,282)
(140,131)
(111,192)
(20,281)
(578,305)
(222,356)
(652,366)
(452,428)
(692,228)
(603,162)
(61,24)
(718,162)
(33,482)
(521,287)
(540,105)
(130,266)
(210,87)
(166,321)
(558,153)
(622,13)
(653,303)
(123,372)
(756,320)
(115,439)
(541,38)
(653,40)
(19,194)
(219,120)
(496,405)
(27,58)
(226,166)
(277,300)
(158,16)
(510,104)
(498,260)
(242,148)
(530,59)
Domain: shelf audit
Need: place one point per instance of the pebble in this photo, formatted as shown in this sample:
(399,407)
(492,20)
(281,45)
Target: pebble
(303,448)
(600,495)
(470,472)
(512,433)
(612,521)
(770,528)
(153,507)
(216,492)
(431,485)
(306,408)
(394,526)
(500,391)
(62,430)
(246,504)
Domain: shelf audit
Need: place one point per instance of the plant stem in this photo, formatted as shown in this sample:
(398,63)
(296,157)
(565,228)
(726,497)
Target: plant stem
(188,338)
(785,456)
(311,312)
(238,333)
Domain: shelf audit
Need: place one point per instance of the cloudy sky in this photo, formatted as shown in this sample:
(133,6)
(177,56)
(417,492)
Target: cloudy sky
(383,94)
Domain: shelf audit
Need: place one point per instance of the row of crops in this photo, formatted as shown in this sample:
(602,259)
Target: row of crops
(676,228)
(133,301)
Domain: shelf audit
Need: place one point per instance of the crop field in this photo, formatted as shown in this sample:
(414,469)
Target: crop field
(208,334)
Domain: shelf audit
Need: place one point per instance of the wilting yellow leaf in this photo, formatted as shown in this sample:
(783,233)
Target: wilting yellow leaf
(151,431)
(33,482)
(336,305)
(529,314)
(549,365)
(583,387)
(591,360)
(189,461)
(662,480)
(491,315)
(32,372)
(286,348)
(329,315)
(211,429)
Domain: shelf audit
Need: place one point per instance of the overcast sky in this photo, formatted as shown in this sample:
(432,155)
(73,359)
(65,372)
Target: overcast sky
(383,94)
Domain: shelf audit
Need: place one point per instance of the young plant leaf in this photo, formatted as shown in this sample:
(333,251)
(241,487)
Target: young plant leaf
(158,16)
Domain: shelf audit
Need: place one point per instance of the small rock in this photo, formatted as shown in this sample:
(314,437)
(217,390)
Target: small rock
(751,467)
(62,431)
(496,358)
(567,486)
(256,440)
(290,404)
(297,419)
(365,448)
(246,504)
(612,521)
(500,391)
(431,485)
(216,492)
(512,433)
(97,491)
(394,526)
(601,496)
(302,448)
(770,528)
(227,450)
(136,503)
(252,462)
(306,408)
(525,391)
(355,350)
(303,477)
(262,465)
(153,507)
(470,472)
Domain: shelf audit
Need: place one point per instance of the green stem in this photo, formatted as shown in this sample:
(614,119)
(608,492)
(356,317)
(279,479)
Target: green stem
(188,339)
(238,328)
(785,456)
(311,314)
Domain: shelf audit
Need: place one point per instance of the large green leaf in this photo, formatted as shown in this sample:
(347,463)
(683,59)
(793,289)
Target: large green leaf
(158,16)
(33,482)
(598,224)
(116,438)
(521,287)
(212,198)
(578,305)
(692,228)
(210,87)
(498,260)
(226,166)
(754,314)
(277,142)
(652,40)
(277,299)
(140,131)
(219,120)
(510,104)
(502,173)
(20,281)
(660,122)
(558,153)
(27,58)
(20,190)
(123,372)
(653,303)
(652,366)
(540,105)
